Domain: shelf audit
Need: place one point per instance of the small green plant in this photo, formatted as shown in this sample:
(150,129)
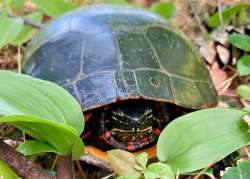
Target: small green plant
(189,143)
(242,41)
(228,13)
(17,30)
(128,165)
(43,110)
(242,171)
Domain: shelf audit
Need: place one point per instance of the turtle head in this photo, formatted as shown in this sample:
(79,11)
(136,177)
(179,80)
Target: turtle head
(132,121)
(131,125)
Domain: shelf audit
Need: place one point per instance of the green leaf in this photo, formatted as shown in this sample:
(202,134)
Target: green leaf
(242,171)
(243,65)
(24,95)
(31,147)
(142,159)
(9,29)
(6,172)
(17,5)
(5,10)
(27,32)
(150,175)
(164,9)
(193,141)
(240,41)
(62,137)
(132,176)
(54,8)
(161,169)
(122,162)
(247,109)
(227,14)
(244,91)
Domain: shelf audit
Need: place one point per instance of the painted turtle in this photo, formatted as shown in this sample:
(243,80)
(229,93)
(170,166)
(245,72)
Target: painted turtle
(130,70)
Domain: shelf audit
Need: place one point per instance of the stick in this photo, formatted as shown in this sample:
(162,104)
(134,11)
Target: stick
(21,166)
(92,160)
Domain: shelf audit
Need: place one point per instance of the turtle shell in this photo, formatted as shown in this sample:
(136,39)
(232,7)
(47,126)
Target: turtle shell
(105,53)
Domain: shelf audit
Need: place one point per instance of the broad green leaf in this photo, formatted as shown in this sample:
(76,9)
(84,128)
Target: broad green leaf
(161,169)
(17,5)
(27,32)
(6,172)
(9,29)
(124,2)
(242,171)
(24,95)
(240,41)
(142,159)
(31,147)
(244,91)
(243,65)
(122,162)
(193,141)
(62,137)
(164,9)
(150,175)
(54,8)
(132,176)
(5,8)
(232,173)
(227,14)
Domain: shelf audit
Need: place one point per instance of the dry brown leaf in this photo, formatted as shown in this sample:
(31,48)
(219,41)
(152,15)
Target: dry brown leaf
(218,76)
(223,54)
(207,50)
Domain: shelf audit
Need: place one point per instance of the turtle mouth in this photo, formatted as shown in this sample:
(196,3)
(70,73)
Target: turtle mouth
(133,132)
(130,140)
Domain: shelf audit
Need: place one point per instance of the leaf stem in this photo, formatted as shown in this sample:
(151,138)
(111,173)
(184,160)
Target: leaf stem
(220,15)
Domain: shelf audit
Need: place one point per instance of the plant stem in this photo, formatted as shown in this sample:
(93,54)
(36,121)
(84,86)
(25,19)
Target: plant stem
(21,166)
(220,15)
(26,21)
(65,167)
(92,160)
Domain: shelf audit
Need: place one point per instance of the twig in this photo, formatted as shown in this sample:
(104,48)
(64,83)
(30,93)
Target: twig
(202,171)
(21,166)
(197,17)
(54,162)
(225,84)
(247,152)
(80,170)
(19,59)
(108,176)
(92,160)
